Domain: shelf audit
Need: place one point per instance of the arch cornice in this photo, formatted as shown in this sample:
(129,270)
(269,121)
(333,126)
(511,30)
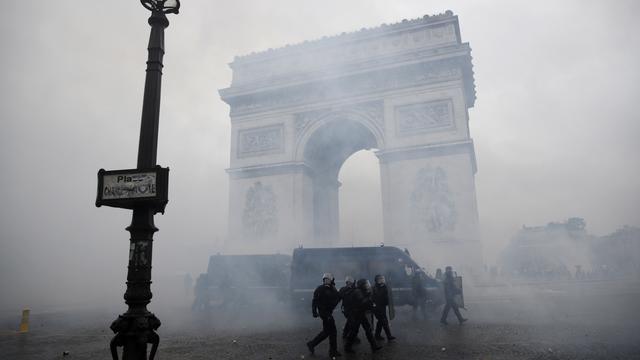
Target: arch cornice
(370,115)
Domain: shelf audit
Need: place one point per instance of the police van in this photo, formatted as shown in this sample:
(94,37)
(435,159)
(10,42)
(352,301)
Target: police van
(239,280)
(399,269)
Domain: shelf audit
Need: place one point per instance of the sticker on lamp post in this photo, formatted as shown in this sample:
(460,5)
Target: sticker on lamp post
(133,188)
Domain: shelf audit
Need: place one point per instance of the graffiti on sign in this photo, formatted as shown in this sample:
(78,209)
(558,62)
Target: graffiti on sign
(126,186)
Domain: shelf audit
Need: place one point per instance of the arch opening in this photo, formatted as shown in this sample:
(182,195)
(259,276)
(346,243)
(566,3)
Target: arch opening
(325,152)
(360,200)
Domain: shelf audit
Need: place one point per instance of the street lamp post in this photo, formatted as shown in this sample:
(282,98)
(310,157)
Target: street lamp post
(136,327)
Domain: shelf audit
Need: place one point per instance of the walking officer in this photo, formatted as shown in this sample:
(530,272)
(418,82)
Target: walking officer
(450,291)
(325,299)
(418,294)
(381,300)
(362,303)
(345,295)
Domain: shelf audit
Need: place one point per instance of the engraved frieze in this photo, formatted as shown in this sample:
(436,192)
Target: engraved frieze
(421,117)
(410,75)
(261,141)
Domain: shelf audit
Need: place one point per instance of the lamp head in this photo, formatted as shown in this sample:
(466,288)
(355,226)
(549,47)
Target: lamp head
(163,6)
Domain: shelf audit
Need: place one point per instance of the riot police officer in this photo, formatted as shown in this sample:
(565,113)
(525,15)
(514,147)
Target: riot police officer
(418,294)
(381,300)
(325,299)
(450,291)
(345,295)
(362,303)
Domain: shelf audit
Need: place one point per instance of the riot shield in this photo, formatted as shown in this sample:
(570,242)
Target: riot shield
(459,297)
(392,308)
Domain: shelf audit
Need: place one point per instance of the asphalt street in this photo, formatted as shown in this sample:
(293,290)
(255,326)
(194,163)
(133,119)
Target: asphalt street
(527,321)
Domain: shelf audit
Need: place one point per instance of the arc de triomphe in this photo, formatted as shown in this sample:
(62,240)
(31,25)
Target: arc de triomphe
(298,112)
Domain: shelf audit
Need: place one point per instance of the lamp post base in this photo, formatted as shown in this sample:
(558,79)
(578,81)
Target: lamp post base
(133,333)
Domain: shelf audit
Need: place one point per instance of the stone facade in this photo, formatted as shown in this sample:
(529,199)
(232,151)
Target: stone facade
(299,112)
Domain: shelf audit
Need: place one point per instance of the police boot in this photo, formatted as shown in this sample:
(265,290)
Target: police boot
(374,346)
(310,346)
(348,349)
(387,331)
(333,346)
(378,331)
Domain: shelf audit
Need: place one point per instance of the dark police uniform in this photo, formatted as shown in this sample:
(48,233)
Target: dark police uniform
(450,291)
(381,300)
(325,299)
(419,294)
(361,301)
(347,307)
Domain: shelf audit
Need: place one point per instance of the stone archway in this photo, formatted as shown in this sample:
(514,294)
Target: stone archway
(297,113)
(330,141)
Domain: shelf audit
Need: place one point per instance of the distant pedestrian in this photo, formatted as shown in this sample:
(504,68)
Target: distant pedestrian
(325,299)
(439,274)
(450,291)
(381,300)
(418,294)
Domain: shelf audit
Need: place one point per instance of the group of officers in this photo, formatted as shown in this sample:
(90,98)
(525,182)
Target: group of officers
(358,299)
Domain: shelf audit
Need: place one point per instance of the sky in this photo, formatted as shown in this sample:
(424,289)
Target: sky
(554,125)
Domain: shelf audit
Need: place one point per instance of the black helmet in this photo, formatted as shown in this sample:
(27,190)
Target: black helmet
(363,284)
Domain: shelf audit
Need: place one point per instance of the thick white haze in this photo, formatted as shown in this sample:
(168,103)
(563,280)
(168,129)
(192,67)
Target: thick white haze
(555,127)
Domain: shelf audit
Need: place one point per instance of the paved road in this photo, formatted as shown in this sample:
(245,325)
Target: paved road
(523,322)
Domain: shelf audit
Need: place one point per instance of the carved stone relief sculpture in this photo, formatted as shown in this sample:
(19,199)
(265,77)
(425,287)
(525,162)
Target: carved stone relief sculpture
(432,203)
(260,215)
(261,141)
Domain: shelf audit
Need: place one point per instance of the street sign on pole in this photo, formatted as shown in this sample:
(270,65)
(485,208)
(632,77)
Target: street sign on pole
(134,188)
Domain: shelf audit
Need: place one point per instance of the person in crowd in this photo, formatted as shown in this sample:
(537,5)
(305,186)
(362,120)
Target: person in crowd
(325,300)
(381,300)
(418,294)
(450,291)
(439,274)
(362,303)
(345,295)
